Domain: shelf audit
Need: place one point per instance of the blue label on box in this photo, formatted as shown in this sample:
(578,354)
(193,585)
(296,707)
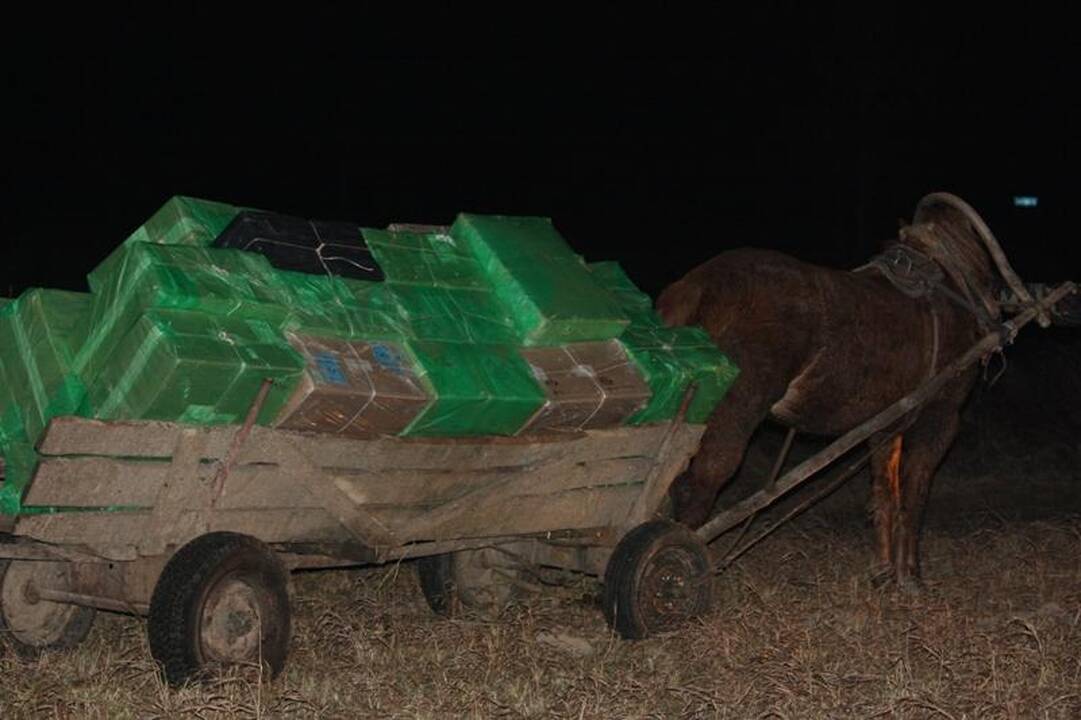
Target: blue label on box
(387,359)
(330,367)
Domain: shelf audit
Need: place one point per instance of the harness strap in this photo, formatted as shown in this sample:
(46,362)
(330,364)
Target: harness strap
(919,275)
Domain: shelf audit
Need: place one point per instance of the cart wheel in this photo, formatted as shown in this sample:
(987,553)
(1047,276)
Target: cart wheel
(476,579)
(30,624)
(658,577)
(222,599)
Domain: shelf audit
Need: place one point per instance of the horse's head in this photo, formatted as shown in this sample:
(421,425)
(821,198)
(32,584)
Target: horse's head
(946,229)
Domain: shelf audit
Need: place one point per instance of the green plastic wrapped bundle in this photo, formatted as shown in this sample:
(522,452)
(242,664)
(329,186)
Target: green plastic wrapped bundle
(471,316)
(197,368)
(185,221)
(436,259)
(478,389)
(671,359)
(40,334)
(330,306)
(634,303)
(20,459)
(141,276)
(550,295)
(439,288)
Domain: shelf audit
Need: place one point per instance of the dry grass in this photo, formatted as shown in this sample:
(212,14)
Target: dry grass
(798,632)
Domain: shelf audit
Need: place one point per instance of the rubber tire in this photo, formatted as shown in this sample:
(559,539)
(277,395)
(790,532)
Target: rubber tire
(627,595)
(189,580)
(76,626)
(452,582)
(436,576)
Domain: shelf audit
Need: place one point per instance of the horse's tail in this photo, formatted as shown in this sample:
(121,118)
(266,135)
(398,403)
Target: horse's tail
(678,303)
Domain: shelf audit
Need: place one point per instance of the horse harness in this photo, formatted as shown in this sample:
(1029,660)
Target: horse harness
(919,275)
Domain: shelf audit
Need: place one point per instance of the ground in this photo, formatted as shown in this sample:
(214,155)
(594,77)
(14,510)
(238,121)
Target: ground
(798,630)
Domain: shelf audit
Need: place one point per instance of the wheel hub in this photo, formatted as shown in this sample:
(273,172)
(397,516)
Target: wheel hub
(32,620)
(231,623)
(668,586)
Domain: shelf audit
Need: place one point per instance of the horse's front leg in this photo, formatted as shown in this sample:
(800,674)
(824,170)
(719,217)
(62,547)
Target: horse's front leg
(747,404)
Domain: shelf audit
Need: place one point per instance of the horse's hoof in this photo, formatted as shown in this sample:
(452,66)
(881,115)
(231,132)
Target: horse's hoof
(881,576)
(910,585)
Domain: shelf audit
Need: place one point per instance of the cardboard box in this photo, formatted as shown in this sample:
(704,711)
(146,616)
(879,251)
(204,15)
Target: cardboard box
(588,385)
(356,389)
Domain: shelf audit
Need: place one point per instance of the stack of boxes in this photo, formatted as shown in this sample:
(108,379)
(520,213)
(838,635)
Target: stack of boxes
(492,326)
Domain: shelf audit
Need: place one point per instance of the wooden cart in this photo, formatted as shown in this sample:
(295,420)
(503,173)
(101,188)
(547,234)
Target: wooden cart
(197,528)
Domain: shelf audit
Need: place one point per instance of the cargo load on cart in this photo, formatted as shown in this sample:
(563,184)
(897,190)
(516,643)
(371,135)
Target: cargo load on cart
(490,326)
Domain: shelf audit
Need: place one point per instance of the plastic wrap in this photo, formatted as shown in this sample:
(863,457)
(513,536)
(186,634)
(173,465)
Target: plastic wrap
(671,359)
(550,295)
(439,289)
(20,459)
(635,304)
(429,259)
(196,368)
(316,247)
(185,221)
(588,385)
(477,389)
(355,389)
(140,276)
(328,306)
(39,336)
(471,316)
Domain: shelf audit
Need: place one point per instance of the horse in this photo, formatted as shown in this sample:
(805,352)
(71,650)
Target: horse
(822,350)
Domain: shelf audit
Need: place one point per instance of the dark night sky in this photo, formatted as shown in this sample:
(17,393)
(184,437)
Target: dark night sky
(656,143)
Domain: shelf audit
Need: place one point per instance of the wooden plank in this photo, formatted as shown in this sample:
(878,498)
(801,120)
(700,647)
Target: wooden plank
(96,482)
(469,454)
(515,515)
(251,487)
(101,482)
(133,439)
(113,535)
(121,533)
(434,488)
(487,504)
(412,487)
(682,447)
(68,436)
(182,487)
(294,461)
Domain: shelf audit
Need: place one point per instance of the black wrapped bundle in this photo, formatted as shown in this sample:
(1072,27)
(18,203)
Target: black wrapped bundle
(317,247)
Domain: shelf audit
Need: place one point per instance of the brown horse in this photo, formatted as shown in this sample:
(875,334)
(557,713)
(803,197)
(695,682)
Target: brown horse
(824,350)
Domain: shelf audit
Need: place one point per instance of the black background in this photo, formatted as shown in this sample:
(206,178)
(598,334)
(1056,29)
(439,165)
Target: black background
(655,139)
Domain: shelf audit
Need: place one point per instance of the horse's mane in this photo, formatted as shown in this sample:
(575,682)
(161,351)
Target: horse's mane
(947,236)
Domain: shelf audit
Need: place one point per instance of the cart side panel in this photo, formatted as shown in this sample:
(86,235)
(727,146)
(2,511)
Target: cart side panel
(69,436)
(125,535)
(169,483)
(523,514)
(96,482)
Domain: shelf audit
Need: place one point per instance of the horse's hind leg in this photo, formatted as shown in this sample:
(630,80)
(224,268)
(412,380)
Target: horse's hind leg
(926,444)
(885,501)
